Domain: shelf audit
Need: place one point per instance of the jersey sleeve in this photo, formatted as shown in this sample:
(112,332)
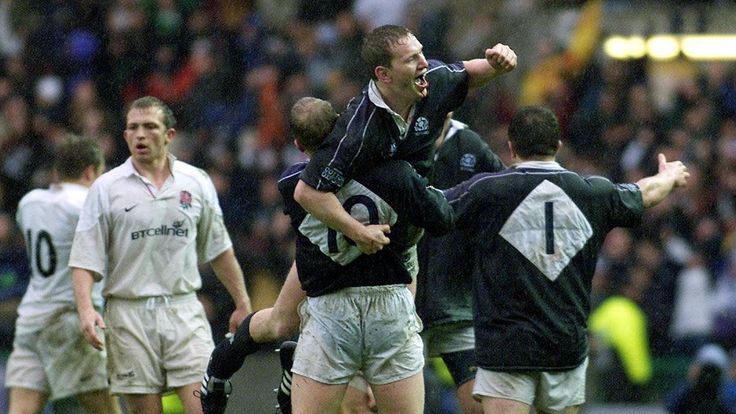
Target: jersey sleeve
(625,204)
(92,235)
(212,236)
(450,81)
(490,161)
(463,200)
(345,150)
(425,206)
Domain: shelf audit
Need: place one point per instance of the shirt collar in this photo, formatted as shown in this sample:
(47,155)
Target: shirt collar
(375,97)
(67,184)
(544,165)
(130,169)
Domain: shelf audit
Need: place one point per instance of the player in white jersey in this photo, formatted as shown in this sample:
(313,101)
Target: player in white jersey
(50,359)
(148,223)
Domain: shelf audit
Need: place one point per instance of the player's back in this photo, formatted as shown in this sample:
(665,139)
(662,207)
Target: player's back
(391,193)
(536,231)
(48,218)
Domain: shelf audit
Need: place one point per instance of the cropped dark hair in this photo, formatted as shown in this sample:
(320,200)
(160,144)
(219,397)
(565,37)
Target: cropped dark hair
(153,102)
(534,131)
(75,154)
(379,43)
(311,120)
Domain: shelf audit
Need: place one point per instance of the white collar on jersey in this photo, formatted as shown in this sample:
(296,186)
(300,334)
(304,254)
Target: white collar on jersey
(544,165)
(130,169)
(375,96)
(455,126)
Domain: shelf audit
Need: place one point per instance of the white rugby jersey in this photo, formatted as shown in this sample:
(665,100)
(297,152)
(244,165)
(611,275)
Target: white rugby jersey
(149,240)
(47,218)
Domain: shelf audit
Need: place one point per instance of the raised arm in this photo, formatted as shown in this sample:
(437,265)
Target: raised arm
(89,318)
(228,270)
(498,60)
(656,187)
(327,208)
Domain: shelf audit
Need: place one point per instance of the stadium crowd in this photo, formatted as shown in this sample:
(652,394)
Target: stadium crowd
(231,70)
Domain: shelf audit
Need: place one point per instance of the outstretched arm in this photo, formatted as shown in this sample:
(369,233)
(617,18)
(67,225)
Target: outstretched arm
(498,60)
(228,270)
(656,187)
(325,207)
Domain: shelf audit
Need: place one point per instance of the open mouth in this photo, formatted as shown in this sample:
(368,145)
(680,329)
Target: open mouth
(421,81)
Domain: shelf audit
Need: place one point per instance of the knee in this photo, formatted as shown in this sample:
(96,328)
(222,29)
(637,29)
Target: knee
(285,326)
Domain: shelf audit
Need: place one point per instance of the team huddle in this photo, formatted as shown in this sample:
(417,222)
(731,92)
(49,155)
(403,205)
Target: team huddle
(413,240)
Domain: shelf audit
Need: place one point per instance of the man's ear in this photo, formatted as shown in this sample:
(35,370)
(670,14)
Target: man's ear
(511,149)
(170,135)
(299,145)
(383,74)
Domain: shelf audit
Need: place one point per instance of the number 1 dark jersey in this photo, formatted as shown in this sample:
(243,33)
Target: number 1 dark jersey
(535,231)
(389,193)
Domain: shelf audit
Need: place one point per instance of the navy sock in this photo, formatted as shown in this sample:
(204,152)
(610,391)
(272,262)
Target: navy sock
(229,354)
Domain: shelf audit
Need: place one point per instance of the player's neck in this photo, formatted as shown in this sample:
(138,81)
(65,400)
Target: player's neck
(78,181)
(395,101)
(156,171)
(535,158)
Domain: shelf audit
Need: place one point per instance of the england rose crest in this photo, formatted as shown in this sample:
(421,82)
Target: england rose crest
(185,199)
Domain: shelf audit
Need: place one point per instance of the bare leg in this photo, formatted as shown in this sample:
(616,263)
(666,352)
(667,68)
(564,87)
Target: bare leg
(191,403)
(26,401)
(504,406)
(358,398)
(263,326)
(144,403)
(99,402)
(465,396)
(312,397)
(282,320)
(401,397)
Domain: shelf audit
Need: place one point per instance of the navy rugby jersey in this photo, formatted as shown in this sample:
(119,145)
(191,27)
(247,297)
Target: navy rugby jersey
(536,231)
(367,133)
(390,193)
(444,283)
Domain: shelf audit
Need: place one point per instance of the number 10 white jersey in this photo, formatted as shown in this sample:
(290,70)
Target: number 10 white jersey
(48,218)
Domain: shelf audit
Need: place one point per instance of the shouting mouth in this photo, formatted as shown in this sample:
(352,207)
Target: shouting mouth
(421,83)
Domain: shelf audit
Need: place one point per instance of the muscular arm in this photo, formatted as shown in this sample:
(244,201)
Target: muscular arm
(89,318)
(228,270)
(327,208)
(498,60)
(656,187)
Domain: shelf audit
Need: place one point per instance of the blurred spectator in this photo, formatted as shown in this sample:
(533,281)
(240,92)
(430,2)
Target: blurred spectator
(702,391)
(724,303)
(692,318)
(659,297)
(621,346)
(14,278)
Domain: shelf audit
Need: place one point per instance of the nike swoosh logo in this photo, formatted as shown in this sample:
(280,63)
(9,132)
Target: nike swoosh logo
(127,209)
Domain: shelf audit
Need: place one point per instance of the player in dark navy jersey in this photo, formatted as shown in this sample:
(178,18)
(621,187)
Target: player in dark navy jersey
(398,115)
(359,314)
(444,294)
(536,230)
(341,264)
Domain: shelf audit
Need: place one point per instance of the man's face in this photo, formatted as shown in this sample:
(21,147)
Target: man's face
(408,68)
(146,135)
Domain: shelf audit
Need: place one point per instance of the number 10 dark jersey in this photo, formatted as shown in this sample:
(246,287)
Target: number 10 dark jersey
(389,193)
